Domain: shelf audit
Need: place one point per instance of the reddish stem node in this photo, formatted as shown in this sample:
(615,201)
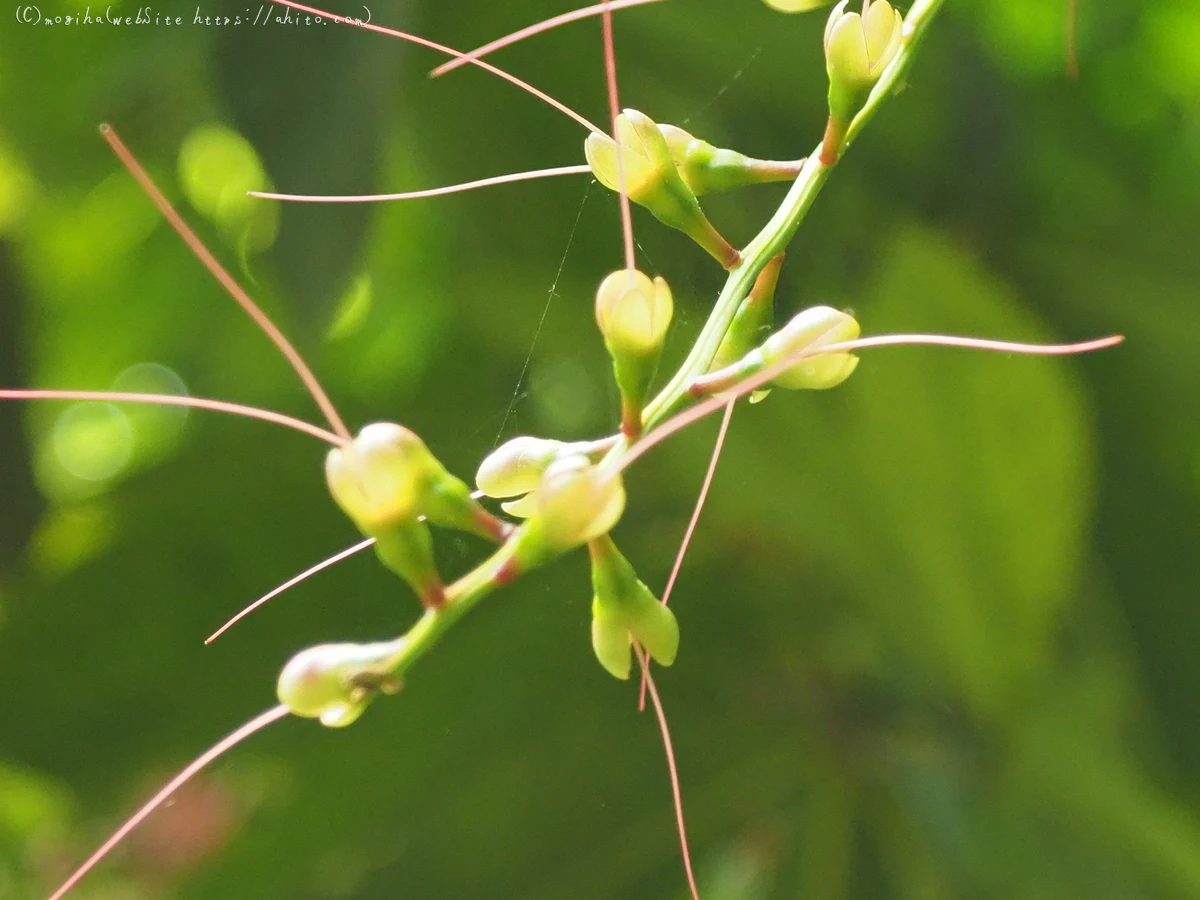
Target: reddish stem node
(831,144)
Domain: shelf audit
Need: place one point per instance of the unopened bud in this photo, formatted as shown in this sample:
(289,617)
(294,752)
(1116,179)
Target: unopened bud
(858,47)
(575,502)
(794,6)
(386,477)
(647,174)
(633,313)
(335,682)
(625,610)
(516,466)
(810,330)
(381,477)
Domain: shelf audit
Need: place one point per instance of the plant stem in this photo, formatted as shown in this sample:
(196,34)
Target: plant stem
(465,593)
(779,231)
(461,597)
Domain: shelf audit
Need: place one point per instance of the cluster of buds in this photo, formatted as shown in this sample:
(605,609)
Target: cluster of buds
(575,501)
(565,497)
(633,314)
(804,337)
(389,483)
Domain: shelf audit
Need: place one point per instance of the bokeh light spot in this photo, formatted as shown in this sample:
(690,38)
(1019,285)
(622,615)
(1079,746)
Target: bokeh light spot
(93,441)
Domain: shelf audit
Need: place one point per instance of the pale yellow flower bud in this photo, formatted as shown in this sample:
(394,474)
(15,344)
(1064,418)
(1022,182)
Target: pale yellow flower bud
(633,313)
(810,330)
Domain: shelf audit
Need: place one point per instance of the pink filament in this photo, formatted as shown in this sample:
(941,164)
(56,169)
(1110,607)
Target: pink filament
(236,409)
(753,382)
(431,192)
(236,737)
(442,48)
(614,109)
(531,30)
(676,792)
(290,583)
(691,528)
(218,271)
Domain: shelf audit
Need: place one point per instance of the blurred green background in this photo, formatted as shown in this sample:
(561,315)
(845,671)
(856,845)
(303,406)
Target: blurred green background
(939,625)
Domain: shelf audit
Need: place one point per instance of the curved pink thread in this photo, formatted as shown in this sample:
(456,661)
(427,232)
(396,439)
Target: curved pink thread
(718,445)
(676,791)
(237,409)
(226,280)
(614,110)
(291,582)
(429,192)
(753,382)
(531,30)
(258,723)
(442,48)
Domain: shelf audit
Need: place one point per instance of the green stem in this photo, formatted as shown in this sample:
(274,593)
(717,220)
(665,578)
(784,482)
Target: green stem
(501,567)
(461,598)
(779,231)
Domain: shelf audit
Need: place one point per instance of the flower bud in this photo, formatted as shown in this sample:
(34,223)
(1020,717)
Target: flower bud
(809,330)
(574,503)
(633,313)
(706,168)
(648,176)
(335,682)
(858,47)
(793,6)
(381,477)
(386,477)
(625,610)
(522,507)
(516,467)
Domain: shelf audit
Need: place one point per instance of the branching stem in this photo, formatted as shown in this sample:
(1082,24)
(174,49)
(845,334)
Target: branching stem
(775,236)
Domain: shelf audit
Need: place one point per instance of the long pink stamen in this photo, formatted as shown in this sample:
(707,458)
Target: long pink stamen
(218,271)
(430,192)
(290,583)
(237,409)
(676,792)
(754,382)
(691,528)
(256,724)
(538,28)
(614,110)
(442,48)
